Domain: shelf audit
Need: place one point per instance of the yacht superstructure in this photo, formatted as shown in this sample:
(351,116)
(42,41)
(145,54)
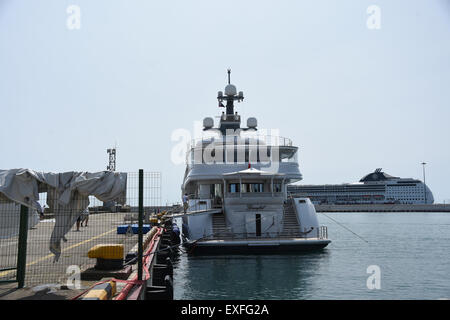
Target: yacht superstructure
(235,182)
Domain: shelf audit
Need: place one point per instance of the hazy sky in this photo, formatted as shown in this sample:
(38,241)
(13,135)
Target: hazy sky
(352,98)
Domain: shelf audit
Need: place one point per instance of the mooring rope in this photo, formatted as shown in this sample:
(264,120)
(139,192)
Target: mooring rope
(346,228)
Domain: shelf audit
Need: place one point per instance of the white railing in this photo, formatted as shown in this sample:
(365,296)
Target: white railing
(322,232)
(227,233)
(268,140)
(254,195)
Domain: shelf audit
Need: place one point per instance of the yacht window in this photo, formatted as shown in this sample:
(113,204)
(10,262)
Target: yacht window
(233,187)
(213,154)
(252,187)
(287,154)
(246,187)
(257,187)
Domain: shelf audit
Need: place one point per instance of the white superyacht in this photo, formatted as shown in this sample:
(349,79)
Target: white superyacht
(236,185)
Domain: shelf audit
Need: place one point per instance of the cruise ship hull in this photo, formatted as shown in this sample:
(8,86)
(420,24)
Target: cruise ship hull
(373,189)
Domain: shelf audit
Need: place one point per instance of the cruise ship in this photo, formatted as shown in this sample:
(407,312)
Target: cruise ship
(235,194)
(377,187)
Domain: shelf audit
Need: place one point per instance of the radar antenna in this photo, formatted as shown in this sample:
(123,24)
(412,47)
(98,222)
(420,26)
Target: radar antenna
(230,119)
(230,96)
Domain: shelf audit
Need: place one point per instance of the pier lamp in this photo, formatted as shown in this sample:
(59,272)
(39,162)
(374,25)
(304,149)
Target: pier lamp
(424,185)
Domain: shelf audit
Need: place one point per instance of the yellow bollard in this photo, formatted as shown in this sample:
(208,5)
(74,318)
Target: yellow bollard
(106,251)
(104,291)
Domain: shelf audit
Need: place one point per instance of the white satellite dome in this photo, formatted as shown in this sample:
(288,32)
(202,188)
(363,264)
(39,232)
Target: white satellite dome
(230,90)
(252,122)
(208,123)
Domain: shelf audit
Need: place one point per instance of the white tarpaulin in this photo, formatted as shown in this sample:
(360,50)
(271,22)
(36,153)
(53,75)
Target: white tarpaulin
(67,194)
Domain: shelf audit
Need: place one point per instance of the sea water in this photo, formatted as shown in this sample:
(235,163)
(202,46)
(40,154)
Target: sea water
(372,255)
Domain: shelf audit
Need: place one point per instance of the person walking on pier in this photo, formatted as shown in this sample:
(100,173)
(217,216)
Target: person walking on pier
(78,223)
(85,217)
(185,202)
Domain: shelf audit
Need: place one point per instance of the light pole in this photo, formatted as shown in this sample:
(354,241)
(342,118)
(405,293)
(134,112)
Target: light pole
(424,185)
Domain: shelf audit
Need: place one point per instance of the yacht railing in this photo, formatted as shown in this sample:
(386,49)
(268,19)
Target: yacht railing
(268,140)
(254,195)
(203,203)
(198,206)
(227,234)
(322,232)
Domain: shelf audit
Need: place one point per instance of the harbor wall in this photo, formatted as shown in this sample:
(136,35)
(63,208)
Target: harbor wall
(382,207)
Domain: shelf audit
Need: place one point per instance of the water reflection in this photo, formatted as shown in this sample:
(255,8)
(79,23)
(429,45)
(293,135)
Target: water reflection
(411,249)
(287,276)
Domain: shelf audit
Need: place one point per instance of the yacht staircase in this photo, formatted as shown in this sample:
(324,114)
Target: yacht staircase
(219,224)
(291,226)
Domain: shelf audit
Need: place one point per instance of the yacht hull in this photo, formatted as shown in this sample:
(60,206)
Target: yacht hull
(259,246)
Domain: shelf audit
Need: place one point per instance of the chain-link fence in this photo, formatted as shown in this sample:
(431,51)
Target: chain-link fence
(9,244)
(78,230)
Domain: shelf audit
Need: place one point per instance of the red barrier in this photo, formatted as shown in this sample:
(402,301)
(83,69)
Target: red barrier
(131,283)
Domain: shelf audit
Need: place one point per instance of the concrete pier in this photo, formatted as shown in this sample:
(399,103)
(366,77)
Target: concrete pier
(382,207)
(48,280)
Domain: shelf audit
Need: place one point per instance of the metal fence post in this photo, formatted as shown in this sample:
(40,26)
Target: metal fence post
(140,222)
(22,247)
